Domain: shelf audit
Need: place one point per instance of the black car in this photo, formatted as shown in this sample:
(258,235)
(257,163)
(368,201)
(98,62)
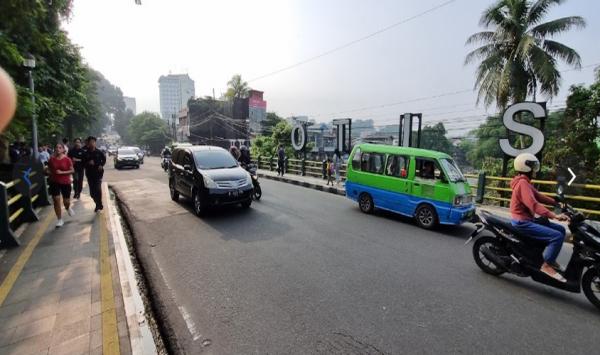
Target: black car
(210,176)
(126,157)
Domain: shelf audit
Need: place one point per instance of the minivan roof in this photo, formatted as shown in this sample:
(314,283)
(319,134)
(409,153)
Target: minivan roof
(391,149)
(195,148)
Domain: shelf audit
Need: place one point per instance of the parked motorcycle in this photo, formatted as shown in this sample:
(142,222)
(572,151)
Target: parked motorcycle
(511,251)
(165,162)
(251,168)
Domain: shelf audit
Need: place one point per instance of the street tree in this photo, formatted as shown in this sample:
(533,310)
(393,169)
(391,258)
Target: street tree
(237,88)
(518,57)
(147,129)
(269,123)
(63,84)
(434,138)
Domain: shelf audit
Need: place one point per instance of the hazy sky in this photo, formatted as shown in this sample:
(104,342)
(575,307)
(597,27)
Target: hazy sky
(212,40)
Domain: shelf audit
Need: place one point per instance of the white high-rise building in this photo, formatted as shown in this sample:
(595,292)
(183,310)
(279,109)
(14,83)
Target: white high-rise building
(130,104)
(175,91)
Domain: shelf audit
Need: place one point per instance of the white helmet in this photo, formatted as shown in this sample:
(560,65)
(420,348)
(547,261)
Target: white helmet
(527,162)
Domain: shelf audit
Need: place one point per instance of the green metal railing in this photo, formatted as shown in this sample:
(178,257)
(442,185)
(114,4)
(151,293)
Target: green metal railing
(18,200)
(486,189)
(496,190)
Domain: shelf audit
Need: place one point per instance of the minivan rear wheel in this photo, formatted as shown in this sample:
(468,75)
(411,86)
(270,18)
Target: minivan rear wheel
(365,203)
(198,205)
(173,191)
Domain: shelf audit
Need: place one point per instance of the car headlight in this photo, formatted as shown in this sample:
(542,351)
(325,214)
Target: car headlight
(460,200)
(209,183)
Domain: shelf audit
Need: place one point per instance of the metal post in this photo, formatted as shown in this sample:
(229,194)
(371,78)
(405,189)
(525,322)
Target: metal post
(7,238)
(480,187)
(400,132)
(34,132)
(419,131)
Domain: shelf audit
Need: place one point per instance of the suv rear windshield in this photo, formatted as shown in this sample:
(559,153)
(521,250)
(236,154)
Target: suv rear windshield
(214,159)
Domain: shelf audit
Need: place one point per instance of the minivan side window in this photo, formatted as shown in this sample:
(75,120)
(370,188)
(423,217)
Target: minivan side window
(356,159)
(187,159)
(372,163)
(397,165)
(428,169)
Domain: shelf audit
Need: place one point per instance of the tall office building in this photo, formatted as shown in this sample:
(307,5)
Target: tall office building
(130,104)
(175,91)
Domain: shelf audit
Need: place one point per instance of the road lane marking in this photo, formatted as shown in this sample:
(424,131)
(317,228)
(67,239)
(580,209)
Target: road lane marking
(110,333)
(17,268)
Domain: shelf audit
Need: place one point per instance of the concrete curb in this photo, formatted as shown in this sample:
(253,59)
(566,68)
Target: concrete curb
(140,336)
(332,190)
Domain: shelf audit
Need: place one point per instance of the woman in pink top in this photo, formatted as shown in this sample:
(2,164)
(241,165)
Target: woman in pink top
(526,203)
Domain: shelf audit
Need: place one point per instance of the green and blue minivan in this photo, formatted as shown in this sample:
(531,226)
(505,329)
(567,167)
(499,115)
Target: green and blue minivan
(419,183)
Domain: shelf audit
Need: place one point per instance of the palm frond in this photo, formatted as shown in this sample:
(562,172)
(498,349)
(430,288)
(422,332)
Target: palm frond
(557,26)
(539,9)
(493,14)
(481,52)
(566,53)
(481,37)
(524,45)
(543,66)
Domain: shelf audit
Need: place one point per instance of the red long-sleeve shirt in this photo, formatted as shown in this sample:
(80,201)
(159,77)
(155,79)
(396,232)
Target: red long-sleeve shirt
(526,201)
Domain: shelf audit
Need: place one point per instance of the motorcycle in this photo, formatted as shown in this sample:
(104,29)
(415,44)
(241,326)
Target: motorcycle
(509,250)
(251,168)
(165,162)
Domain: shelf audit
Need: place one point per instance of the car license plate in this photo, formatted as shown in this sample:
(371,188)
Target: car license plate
(234,193)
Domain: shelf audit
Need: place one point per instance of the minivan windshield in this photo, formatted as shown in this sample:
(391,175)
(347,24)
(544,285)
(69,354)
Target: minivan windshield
(452,170)
(126,152)
(214,159)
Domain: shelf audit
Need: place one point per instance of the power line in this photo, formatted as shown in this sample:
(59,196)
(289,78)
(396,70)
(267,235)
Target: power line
(353,42)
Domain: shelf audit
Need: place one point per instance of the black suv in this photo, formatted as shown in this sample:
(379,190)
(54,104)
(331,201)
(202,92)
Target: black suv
(210,176)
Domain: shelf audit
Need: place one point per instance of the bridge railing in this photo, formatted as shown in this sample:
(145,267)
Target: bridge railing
(491,190)
(496,190)
(18,200)
(297,166)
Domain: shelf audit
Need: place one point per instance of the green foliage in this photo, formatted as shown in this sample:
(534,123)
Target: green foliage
(267,145)
(434,138)
(148,130)
(270,122)
(63,84)
(237,88)
(517,56)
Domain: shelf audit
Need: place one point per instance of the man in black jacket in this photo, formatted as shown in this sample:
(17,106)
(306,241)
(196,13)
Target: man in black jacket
(94,170)
(77,155)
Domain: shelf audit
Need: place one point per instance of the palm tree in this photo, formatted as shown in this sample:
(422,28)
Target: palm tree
(237,88)
(517,57)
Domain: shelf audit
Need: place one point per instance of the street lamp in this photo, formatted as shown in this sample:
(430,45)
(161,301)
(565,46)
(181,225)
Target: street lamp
(29,63)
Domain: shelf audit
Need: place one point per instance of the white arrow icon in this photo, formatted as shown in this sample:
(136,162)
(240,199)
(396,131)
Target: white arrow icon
(573,176)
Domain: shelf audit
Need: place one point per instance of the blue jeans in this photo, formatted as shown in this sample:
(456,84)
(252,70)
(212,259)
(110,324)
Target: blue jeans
(554,234)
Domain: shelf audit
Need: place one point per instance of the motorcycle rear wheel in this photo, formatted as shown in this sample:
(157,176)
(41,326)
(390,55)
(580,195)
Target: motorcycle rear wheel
(481,260)
(590,283)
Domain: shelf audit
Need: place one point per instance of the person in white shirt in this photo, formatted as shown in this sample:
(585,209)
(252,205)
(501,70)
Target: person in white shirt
(44,155)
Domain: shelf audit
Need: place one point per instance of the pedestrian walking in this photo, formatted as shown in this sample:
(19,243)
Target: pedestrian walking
(94,171)
(330,171)
(337,165)
(44,155)
(280,160)
(60,167)
(77,155)
(66,144)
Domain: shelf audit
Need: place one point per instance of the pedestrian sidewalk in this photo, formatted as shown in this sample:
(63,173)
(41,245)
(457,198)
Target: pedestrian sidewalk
(61,290)
(306,181)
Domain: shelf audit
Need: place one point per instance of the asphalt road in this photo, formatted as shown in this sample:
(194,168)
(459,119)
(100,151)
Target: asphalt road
(304,272)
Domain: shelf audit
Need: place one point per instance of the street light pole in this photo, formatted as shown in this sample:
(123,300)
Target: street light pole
(29,63)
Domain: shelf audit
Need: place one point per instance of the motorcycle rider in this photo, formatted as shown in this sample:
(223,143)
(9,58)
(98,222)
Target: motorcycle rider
(244,158)
(525,203)
(165,153)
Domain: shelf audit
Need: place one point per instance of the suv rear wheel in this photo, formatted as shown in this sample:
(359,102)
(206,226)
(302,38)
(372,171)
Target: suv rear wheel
(173,191)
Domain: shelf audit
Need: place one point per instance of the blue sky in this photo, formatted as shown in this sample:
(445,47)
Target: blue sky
(133,45)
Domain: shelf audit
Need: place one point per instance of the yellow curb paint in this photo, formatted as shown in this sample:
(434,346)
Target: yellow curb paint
(110,333)
(15,271)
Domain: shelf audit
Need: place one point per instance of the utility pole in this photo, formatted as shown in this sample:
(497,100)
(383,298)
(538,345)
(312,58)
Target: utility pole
(29,63)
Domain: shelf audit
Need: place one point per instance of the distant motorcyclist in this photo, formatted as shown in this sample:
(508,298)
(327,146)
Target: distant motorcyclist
(244,158)
(166,153)
(526,203)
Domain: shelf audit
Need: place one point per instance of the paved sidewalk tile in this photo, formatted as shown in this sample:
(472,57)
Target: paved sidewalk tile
(54,306)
